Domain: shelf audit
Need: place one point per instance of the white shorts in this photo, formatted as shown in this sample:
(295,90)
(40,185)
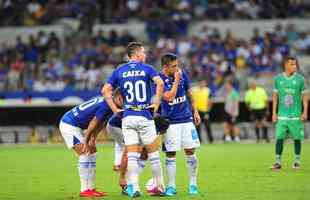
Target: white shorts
(116,134)
(181,136)
(138,130)
(71,134)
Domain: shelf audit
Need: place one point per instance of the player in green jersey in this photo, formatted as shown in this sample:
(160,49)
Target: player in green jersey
(290,106)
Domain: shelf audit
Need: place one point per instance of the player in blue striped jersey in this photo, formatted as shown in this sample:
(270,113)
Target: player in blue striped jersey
(79,128)
(135,80)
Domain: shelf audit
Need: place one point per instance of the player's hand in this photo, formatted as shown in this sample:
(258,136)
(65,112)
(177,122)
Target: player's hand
(304,116)
(274,118)
(92,142)
(177,75)
(197,119)
(154,106)
(86,149)
(118,111)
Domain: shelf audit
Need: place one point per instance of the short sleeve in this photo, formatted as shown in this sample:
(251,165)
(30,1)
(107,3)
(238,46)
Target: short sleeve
(187,82)
(303,86)
(275,85)
(265,96)
(103,111)
(152,72)
(113,79)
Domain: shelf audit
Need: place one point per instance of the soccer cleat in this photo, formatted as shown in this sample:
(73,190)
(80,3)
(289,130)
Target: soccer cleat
(193,189)
(124,190)
(296,165)
(276,166)
(136,194)
(156,191)
(129,191)
(98,194)
(170,191)
(87,193)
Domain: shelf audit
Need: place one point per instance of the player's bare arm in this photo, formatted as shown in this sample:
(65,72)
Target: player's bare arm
(196,115)
(304,115)
(159,92)
(91,134)
(274,106)
(107,92)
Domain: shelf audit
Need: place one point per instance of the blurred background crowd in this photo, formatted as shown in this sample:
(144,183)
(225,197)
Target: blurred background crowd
(30,12)
(46,63)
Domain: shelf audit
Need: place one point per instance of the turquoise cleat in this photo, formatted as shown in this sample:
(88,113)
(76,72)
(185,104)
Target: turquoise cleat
(170,191)
(193,190)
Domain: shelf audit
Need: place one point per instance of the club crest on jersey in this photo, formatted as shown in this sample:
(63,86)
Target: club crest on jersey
(133,73)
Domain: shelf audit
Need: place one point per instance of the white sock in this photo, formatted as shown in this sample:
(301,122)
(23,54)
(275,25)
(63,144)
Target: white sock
(133,169)
(118,152)
(192,166)
(92,171)
(141,164)
(84,170)
(171,171)
(156,168)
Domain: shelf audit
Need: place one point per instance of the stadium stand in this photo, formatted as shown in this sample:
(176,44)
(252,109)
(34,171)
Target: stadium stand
(49,63)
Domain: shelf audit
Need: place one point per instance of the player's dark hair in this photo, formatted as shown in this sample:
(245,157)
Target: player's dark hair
(286,59)
(132,48)
(167,58)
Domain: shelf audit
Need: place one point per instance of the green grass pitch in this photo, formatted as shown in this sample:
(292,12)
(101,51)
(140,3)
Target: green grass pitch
(226,171)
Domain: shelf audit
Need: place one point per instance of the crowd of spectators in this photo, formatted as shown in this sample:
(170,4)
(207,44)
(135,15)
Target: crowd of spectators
(78,63)
(33,12)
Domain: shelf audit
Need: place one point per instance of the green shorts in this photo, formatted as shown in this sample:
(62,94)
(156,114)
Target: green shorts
(292,128)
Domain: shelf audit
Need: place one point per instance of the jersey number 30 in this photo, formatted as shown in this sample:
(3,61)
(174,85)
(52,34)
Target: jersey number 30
(136,91)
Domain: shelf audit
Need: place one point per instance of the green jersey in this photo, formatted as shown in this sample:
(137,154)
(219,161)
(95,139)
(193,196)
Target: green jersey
(290,91)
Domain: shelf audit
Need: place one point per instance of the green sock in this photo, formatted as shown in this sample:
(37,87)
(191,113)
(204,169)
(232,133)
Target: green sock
(297,147)
(279,149)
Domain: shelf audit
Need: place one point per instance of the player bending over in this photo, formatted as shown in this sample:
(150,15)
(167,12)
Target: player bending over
(79,128)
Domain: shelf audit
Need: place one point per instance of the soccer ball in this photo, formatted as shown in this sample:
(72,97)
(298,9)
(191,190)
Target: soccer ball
(150,185)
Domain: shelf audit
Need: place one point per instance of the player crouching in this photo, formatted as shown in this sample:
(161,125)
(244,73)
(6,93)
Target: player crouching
(79,127)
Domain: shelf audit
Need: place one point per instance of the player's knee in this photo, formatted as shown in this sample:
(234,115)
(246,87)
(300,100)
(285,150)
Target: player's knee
(171,154)
(133,148)
(152,147)
(189,152)
(79,149)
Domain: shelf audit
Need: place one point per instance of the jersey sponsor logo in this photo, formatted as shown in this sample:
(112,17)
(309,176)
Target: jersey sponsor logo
(177,100)
(133,73)
(289,91)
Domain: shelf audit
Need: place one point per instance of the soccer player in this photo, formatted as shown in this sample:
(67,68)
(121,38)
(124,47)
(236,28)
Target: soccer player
(79,128)
(114,130)
(290,109)
(256,100)
(178,107)
(135,80)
